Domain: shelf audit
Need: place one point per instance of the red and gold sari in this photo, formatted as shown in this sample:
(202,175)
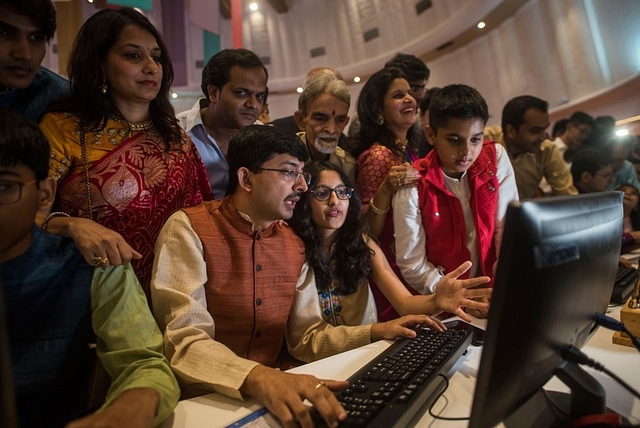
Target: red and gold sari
(135,184)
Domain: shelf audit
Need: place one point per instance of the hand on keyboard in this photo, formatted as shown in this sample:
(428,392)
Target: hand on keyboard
(402,327)
(284,394)
(389,390)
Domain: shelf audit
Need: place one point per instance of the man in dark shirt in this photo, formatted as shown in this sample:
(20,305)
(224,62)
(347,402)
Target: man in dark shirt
(26,26)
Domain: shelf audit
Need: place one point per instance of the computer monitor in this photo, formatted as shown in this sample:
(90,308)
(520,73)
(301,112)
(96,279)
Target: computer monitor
(555,273)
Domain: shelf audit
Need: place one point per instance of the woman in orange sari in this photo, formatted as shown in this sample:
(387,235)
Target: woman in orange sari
(122,162)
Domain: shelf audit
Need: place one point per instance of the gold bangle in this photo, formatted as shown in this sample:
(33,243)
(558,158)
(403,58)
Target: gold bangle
(377,210)
(45,222)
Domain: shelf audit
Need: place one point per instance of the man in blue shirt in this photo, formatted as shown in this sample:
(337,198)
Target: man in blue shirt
(26,26)
(234,83)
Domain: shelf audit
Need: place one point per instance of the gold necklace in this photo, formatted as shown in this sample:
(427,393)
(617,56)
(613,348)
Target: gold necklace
(401,144)
(134,126)
(140,126)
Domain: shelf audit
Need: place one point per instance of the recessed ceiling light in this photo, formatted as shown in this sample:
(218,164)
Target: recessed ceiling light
(356,79)
(622,132)
(253,6)
(299,90)
(481,25)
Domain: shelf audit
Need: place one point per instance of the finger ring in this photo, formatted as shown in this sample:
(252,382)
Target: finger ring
(401,175)
(100,262)
(321,384)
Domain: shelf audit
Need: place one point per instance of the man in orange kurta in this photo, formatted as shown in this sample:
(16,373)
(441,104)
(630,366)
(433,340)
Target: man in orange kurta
(224,278)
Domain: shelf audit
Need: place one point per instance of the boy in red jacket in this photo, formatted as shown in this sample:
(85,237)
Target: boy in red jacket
(456,212)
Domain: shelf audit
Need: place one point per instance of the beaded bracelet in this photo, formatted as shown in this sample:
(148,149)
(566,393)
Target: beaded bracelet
(45,222)
(377,210)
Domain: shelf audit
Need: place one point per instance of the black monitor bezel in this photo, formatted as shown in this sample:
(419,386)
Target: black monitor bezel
(528,322)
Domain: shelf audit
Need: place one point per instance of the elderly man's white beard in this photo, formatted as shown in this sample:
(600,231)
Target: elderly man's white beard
(323,146)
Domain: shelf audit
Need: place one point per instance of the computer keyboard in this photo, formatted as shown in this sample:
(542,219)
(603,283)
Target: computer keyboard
(390,389)
(626,279)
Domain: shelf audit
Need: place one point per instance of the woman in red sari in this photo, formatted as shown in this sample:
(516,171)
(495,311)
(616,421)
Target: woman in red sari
(388,146)
(122,162)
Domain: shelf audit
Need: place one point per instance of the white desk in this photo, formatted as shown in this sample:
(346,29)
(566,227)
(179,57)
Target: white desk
(215,410)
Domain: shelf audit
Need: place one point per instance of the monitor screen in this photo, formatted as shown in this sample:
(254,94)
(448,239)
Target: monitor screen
(555,273)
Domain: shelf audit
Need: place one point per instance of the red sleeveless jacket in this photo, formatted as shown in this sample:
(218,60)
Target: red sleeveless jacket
(442,216)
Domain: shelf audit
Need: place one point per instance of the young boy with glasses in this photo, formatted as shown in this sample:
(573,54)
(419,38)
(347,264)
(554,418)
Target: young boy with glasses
(57,305)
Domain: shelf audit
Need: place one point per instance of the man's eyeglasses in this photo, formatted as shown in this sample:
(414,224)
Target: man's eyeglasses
(290,174)
(323,193)
(11,191)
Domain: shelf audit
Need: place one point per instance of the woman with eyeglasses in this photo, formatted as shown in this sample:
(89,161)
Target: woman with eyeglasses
(334,307)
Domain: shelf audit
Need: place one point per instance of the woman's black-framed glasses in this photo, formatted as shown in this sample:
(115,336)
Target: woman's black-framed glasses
(290,174)
(323,193)
(11,191)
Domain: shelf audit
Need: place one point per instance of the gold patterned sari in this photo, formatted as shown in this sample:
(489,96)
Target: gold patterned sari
(133,183)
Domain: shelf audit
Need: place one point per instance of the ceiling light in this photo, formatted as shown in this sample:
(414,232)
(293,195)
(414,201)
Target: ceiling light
(356,79)
(253,6)
(299,90)
(481,25)
(622,132)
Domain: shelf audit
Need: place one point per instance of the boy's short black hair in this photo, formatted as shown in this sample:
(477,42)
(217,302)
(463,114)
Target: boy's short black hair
(456,102)
(253,145)
(22,143)
(43,12)
(426,100)
(588,160)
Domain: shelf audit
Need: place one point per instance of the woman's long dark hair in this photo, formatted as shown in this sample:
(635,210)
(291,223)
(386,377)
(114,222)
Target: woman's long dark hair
(370,104)
(352,254)
(85,69)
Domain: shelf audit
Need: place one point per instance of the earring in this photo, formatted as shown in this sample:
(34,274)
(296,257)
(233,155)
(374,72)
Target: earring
(380,119)
(103,88)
